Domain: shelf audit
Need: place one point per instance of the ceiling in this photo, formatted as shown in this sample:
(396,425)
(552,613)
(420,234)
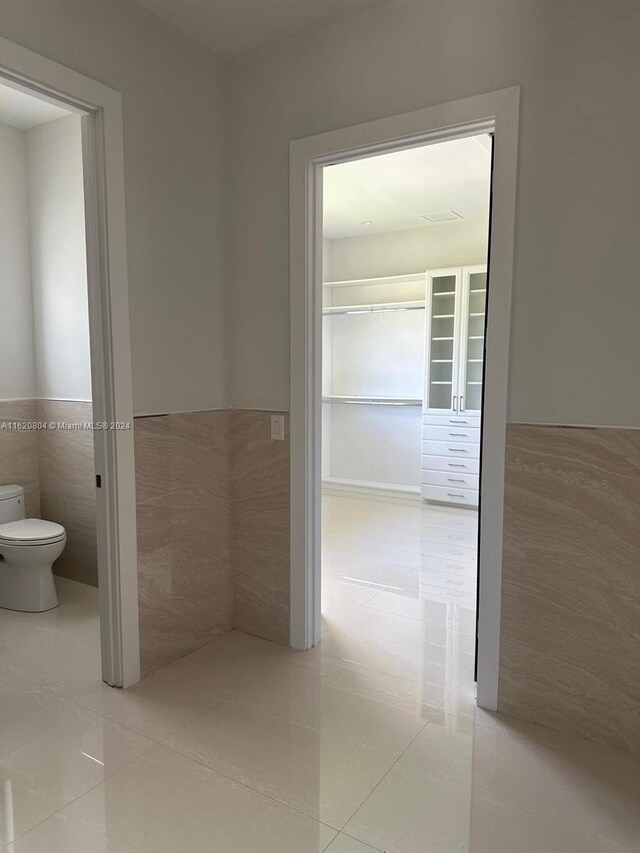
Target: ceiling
(24,111)
(230,27)
(393,192)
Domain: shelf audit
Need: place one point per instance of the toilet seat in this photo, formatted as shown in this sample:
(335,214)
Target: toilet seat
(31,531)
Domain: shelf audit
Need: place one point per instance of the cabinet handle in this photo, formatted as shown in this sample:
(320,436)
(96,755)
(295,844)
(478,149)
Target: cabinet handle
(455,403)
(458,435)
(456,465)
(461,403)
(453,495)
(455,480)
(457,421)
(456,450)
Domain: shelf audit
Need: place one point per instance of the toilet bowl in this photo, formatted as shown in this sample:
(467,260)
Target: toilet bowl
(28,549)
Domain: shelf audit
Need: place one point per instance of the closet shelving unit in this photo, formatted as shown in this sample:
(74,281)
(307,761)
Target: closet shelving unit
(455,326)
(402,383)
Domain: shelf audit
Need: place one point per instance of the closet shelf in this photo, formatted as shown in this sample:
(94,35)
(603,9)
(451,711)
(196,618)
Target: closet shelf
(376,308)
(372,401)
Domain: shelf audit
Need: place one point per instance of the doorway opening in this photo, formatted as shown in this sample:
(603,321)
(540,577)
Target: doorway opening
(48,532)
(475,121)
(405,248)
(68,586)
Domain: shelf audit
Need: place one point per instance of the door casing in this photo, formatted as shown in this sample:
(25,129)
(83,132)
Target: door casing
(103,168)
(494,112)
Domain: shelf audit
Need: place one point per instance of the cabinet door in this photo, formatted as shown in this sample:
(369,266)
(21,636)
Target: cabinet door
(472,327)
(443,297)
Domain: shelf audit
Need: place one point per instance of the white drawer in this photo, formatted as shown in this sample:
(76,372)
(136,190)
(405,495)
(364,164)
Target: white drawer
(467,535)
(457,584)
(447,463)
(451,479)
(460,497)
(451,433)
(452,420)
(459,449)
(457,568)
(450,551)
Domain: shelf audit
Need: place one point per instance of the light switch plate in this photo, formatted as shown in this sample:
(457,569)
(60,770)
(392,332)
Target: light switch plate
(277,427)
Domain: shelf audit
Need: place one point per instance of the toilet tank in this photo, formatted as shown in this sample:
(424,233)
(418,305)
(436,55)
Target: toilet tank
(11,503)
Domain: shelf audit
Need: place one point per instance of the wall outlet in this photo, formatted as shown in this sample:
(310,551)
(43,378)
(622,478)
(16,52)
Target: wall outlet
(277,427)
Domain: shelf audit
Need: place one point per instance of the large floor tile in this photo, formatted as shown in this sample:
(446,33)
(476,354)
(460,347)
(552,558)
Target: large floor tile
(43,655)
(165,701)
(464,771)
(165,803)
(76,616)
(28,714)
(61,764)
(324,776)
(302,696)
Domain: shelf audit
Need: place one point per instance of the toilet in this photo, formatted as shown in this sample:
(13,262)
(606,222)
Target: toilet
(28,549)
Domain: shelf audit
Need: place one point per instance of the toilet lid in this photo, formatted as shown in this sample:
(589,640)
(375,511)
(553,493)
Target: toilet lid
(31,531)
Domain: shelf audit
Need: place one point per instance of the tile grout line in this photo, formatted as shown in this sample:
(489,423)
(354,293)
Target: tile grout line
(93,787)
(380,781)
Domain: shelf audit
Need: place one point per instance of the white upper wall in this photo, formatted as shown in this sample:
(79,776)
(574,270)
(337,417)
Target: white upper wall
(173,146)
(576,313)
(17,361)
(408,251)
(58,260)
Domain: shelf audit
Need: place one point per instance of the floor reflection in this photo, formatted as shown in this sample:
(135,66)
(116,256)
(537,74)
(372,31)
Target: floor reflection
(370,742)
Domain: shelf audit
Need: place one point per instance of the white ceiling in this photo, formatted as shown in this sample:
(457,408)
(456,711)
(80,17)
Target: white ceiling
(392,192)
(24,111)
(230,27)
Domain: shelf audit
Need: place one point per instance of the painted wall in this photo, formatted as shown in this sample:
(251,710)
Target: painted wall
(408,251)
(577,253)
(173,144)
(58,260)
(17,358)
(576,310)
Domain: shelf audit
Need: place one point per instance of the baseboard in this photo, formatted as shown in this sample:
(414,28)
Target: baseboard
(381,491)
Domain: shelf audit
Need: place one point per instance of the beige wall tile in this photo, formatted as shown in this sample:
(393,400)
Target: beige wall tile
(570,638)
(67,486)
(185,580)
(261,526)
(19,452)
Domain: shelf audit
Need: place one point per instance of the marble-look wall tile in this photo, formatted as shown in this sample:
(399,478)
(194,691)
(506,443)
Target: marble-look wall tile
(261,526)
(185,582)
(67,486)
(19,451)
(570,634)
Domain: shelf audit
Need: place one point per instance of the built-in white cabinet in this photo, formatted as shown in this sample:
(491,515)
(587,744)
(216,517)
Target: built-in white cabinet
(455,326)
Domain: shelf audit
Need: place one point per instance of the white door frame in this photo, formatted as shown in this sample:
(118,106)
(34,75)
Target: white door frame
(103,167)
(494,112)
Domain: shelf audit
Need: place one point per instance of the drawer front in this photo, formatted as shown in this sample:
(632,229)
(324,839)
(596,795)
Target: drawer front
(458,449)
(460,497)
(454,568)
(450,551)
(451,420)
(447,463)
(451,433)
(451,479)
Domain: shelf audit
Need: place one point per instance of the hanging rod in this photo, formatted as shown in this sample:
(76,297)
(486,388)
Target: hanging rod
(373,309)
(374,401)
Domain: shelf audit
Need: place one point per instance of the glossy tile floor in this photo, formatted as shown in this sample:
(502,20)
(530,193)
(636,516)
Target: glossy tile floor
(371,742)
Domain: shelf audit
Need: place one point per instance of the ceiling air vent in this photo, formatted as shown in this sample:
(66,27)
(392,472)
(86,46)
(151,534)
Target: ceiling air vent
(443,216)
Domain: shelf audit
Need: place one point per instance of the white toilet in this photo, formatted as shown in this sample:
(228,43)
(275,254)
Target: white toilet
(28,549)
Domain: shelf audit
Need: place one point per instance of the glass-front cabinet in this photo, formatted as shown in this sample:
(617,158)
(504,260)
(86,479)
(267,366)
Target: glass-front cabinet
(456,304)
